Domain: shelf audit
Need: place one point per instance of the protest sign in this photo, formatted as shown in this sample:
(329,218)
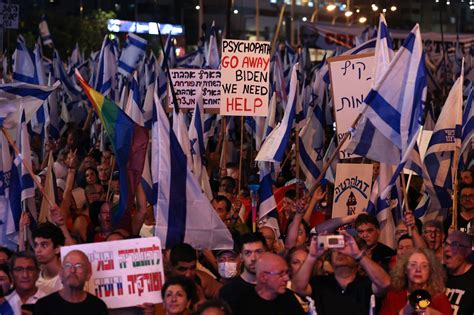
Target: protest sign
(9,14)
(124,273)
(245,76)
(351,80)
(352,189)
(187,83)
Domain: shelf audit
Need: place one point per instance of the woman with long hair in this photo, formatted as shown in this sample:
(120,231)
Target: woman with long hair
(417,270)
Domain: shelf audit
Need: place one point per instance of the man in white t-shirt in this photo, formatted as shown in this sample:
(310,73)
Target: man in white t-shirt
(48,239)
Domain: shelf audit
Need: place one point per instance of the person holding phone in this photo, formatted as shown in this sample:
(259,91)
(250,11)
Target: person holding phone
(346,291)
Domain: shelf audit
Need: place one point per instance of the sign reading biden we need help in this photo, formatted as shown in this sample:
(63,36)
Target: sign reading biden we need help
(124,273)
(245,77)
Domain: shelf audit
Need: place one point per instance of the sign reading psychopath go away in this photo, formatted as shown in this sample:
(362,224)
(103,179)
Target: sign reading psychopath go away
(187,83)
(352,189)
(351,80)
(124,273)
(245,76)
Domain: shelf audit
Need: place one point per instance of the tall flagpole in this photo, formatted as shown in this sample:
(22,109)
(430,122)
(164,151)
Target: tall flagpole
(277,30)
(257,19)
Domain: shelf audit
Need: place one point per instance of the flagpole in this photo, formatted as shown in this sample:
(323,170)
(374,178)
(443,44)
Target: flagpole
(410,174)
(110,178)
(28,168)
(454,170)
(241,150)
(257,19)
(277,31)
(404,207)
(297,145)
(325,167)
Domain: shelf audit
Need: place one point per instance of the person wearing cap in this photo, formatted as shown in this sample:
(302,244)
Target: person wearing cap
(228,264)
(460,283)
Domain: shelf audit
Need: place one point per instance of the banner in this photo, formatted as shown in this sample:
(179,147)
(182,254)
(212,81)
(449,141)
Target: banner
(351,80)
(245,78)
(352,189)
(124,273)
(187,82)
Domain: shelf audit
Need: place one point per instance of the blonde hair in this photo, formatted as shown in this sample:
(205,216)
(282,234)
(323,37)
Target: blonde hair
(436,278)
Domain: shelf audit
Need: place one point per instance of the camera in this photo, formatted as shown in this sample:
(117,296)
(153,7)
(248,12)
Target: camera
(330,241)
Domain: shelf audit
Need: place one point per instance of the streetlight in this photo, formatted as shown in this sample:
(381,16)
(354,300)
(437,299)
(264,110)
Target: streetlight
(331,7)
(348,13)
(198,7)
(393,8)
(374,7)
(236,11)
(362,19)
(304,18)
(384,10)
(358,11)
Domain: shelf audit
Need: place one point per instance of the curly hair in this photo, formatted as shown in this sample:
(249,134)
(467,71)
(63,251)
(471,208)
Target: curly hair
(436,279)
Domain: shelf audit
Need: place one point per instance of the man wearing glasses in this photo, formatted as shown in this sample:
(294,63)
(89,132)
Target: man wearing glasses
(72,299)
(270,295)
(25,272)
(466,216)
(460,284)
(433,235)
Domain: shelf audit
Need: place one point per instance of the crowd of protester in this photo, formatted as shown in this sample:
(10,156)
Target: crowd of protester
(279,269)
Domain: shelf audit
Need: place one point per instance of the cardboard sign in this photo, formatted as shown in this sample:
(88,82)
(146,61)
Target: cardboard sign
(9,14)
(351,80)
(124,273)
(187,83)
(352,189)
(245,78)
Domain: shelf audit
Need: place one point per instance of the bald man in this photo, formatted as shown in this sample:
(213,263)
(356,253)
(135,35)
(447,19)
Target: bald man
(72,299)
(270,297)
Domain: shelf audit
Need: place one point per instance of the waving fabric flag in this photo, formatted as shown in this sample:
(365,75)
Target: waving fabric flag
(194,59)
(467,127)
(69,84)
(23,63)
(446,138)
(212,59)
(44,32)
(129,142)
(104,76)
(10,201)
(30,96)
(132,106)
(132,53)
(274,146)
(183,213)
(267,199)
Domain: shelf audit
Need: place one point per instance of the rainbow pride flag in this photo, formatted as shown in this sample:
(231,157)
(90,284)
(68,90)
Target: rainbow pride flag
(129,143)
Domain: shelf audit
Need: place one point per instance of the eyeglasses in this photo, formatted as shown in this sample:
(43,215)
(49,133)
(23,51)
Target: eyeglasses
(24,269)
(432,232)
(280,274)
(413,265)
(455,245)
(76,266)
(471,196)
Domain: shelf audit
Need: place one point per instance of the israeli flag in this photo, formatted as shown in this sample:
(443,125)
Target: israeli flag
(132,53)
(105,73)
(267,199)
(44,32)
(132,106)
(212,58)
(194,59)
(198,150)
(23,143)
(10,203)
(183,213)
(467,127)
(274,146)
(30,96)
(24,69)
(446,138)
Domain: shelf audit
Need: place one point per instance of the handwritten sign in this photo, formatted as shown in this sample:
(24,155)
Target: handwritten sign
(9,14)
(124,273)
(187,82)
(351,80)
(245,76)
(352,189)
